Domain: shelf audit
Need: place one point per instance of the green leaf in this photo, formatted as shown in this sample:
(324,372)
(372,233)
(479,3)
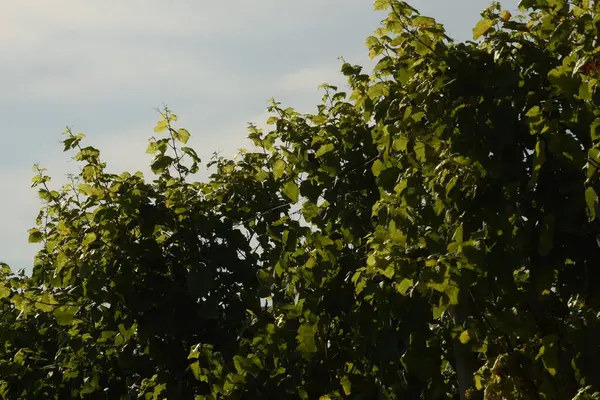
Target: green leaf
(586,90)
(158,389)
(20,357)
(191,153)
(400,144)
(386,64)
(377,167)
(306,338)
(539,159)
(161,164)
(346,385)
(372,41)
(326,148)
(458,234)
(36,180)
(450,185)
(591,199)
(389,272)
(64,315)
(239,364)
(161,126)
(4,291)
(404,286)
(195,368)
(549,354)
(482,27)
(89,173)
(35,236)
(194,352)
(595,129)
(380,5)
(371,260)
(378,90)
(85,189)
(452,292)
(88,239)
(290,189)
(46,303)
(360,286)
(423,22)
(105,335)
(464,337)
(182,135)
(21,303)
(439,206)
(562,78)
(278,270)
(261,175)
(278,169)
(4,269)
(524,5)
(310,210)
(319,119)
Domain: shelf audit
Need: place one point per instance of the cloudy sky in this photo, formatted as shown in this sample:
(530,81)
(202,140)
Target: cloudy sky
(102,67)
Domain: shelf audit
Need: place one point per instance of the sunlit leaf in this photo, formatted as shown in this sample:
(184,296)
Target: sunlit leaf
(381,4)
(290,189)
(591,199)
(346,385)
(4,291)
(161,126)
(482,27)
(182,135)
(464,337)
(306,338)
(64,315)
(278,169)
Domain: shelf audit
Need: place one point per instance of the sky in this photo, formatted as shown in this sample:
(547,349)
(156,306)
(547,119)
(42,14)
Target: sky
(103,67)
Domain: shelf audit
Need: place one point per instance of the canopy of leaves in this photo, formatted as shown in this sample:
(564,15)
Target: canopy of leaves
(431,234)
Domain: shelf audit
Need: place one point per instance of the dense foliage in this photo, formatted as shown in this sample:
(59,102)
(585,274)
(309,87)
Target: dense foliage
(433,234)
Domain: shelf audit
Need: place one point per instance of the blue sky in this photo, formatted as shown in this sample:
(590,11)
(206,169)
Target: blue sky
(102,67)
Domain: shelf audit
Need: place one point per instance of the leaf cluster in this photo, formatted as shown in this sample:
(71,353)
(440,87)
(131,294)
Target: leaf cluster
(431,233)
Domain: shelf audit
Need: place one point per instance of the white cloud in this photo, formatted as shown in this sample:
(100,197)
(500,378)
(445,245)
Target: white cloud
(123,72)
(67,51)
(307,79)
(155,17)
